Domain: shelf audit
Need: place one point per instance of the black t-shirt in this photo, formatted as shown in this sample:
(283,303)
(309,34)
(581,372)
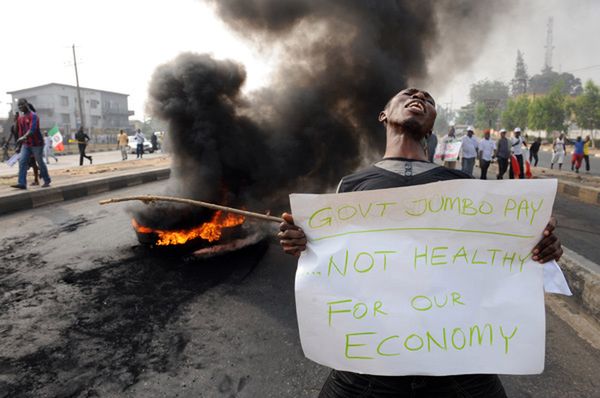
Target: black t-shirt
(376,177)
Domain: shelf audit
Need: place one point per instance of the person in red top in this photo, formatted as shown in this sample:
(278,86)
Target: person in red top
(32,143)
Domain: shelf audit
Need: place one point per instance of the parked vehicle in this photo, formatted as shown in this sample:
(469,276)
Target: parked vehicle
(133,145)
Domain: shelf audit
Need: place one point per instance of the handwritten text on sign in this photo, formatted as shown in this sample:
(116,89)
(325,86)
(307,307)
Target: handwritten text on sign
(432,279)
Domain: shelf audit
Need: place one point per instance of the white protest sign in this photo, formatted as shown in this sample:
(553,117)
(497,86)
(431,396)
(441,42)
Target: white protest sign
(448,150)
(432,279)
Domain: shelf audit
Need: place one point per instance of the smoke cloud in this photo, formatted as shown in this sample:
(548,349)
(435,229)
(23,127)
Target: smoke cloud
(317,121)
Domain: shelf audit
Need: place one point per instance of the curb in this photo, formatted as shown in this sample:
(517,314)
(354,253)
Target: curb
(583,194)
(29,200)
(583,277)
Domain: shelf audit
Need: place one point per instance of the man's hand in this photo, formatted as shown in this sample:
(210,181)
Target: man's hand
(549,248)
(23,138)
(291,237)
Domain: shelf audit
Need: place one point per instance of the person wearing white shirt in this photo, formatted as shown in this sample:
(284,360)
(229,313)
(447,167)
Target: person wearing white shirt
(469,151)
(139,139)
(487,149)
(517,144)
(558,152)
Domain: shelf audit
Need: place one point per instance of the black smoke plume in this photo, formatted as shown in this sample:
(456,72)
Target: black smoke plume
(341,61)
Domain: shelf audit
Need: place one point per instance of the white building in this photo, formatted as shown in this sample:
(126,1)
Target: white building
(56,104)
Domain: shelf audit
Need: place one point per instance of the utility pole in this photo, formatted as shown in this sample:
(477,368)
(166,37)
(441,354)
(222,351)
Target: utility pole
(78,90)
(549,45)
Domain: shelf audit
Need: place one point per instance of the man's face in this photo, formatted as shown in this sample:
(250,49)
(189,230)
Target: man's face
(23,106)
(470,133)
(503,134)
(412,108)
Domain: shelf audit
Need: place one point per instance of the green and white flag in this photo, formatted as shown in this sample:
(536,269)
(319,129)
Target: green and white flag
(57,139)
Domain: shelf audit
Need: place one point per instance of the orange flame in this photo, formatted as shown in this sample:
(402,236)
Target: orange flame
(210,231)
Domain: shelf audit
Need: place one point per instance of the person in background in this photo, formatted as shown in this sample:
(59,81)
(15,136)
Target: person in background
(139,139)
(82,141)
(154,142)
(123,144)
(48,149)
(14,136)
(487,151)
(558,151)
(577,155)
(469,151)
(4,145)
(32,144)
(586,152)
(502,154)
(449,138)
(431,145)
(407,118)
(517,144)
(534,149)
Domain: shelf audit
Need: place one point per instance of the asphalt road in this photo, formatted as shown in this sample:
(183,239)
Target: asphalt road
(69,161)
(87,312)
(546,157)
(578,226)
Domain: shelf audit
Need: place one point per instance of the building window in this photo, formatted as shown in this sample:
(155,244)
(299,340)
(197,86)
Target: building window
(64,100)
(95,120)
(94,104)
(65,117)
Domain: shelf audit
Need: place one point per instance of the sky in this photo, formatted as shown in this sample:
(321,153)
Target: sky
(119,43)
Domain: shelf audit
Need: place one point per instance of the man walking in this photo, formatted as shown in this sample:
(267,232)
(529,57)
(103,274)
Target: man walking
(558,152)
(123,144)
(32,144)
(139,139)
(487,147)
(469,151)
(502,154)
(407,118)
(448,139)
(586,153)
(517,144)
(82,141)
(577,154)
(534,149)
(48,149)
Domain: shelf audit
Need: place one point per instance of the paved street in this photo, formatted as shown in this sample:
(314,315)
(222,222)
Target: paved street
(68,161)
(88,312)
(578,226)
(546,157)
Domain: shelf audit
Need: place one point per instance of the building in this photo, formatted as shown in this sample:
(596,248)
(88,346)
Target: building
(56,104)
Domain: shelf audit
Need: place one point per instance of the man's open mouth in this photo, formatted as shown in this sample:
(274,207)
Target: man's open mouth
(416,106)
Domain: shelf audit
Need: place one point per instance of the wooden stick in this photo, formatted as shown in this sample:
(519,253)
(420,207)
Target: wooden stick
(150,198)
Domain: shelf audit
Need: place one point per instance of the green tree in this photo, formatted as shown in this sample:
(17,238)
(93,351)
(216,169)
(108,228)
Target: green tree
(516,113)
(445,116)
(488,98)
(586,107)
(548,112)
(543,83)
(466,115)
(488,90)
(518,85)
(487,114)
